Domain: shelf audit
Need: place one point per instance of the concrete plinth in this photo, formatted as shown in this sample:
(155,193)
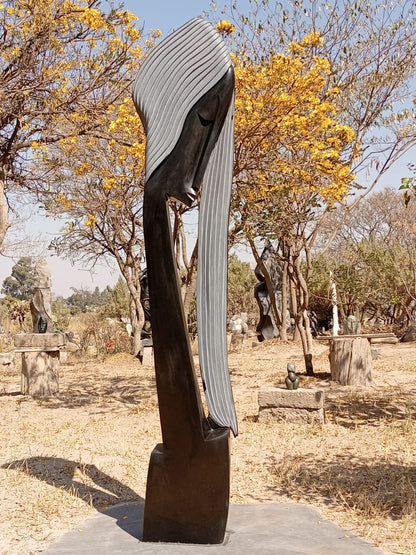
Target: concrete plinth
(299,405)
(40,362)
(40,373)
(280,529)
(39,341)
(148,359)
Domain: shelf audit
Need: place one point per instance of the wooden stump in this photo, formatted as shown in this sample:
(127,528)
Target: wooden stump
(350,361)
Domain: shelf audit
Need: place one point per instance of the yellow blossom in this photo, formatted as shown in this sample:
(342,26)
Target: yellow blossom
(225,27)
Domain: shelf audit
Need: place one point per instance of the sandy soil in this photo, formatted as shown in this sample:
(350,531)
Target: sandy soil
(62,459)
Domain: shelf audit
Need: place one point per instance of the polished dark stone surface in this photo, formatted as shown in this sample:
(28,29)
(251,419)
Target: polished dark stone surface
(187,491)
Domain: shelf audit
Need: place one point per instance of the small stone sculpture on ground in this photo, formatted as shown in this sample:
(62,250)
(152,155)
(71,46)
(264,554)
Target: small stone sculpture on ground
(292,380)
(239,328)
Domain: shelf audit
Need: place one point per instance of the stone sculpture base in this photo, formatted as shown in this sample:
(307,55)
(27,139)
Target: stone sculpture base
(148,358)
(40,362)
(187,495)
(278,528)
(299,405)
(40,373)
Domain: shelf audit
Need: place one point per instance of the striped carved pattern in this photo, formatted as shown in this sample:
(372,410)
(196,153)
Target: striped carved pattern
(212,278)
(188,62)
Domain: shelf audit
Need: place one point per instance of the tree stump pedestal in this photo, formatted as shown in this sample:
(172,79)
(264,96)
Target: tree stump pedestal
(40,362)
(350,360)
(350,357)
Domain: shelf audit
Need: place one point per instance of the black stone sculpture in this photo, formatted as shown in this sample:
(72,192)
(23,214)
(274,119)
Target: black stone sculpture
(267,328)
(146,334)
(184,96)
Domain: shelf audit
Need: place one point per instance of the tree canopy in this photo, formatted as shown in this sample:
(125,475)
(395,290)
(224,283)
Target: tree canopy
(323,100)
(62,64)
(19,284)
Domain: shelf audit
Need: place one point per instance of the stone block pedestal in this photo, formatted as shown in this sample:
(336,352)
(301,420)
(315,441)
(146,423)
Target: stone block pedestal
(40,362)
(40,373)
(299,405)
(148,359)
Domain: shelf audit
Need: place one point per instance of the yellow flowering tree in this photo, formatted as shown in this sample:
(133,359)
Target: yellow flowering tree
(372,55)
(95,185)
(62,64)
(289,165)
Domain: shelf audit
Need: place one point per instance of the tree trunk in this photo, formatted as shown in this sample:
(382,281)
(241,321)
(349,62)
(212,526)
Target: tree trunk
(302,317)
(4,210)
(40,373)
(132,276)
(294,307)
(137,326)
(284,324)
(189,287)
(350,361)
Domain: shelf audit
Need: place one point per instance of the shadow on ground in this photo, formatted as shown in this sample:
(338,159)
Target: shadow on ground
(105,392)
(373,488)
(370,407)
(85,481)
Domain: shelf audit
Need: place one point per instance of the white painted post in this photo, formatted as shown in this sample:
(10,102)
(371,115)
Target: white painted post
(335,321)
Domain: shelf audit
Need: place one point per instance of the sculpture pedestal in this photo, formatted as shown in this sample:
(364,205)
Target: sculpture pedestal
(40,373)
(299,405)
(351,361)
(40,362)
(148,359)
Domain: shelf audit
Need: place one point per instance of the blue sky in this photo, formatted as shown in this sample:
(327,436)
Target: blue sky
(168,15)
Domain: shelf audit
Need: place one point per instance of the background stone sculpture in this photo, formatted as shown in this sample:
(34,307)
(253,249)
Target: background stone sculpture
(40,305)
(40,349)
(267,328)
(146,334)
(184,96)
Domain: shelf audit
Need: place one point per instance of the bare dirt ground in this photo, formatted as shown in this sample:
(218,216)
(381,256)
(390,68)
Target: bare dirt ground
(64,458)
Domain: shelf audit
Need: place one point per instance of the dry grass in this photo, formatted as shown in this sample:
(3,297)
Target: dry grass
(88,448)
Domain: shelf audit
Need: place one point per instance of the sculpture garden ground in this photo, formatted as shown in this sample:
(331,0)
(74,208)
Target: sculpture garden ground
(64,458)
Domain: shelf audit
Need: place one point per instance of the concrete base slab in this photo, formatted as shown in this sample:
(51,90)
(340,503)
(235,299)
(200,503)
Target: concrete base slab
(279,528)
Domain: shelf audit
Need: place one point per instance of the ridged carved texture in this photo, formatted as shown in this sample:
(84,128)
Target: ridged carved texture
(174,77)
(190,61)
(212,278)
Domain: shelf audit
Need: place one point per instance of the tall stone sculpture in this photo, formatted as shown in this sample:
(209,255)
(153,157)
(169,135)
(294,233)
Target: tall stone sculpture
(184,95)
(146,334)
(40,349)
(267,328)
(40,305)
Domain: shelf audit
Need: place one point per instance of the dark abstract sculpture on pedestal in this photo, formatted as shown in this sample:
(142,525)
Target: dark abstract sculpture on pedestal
(267,328)
(146,335)
(184,95)
(40,305)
